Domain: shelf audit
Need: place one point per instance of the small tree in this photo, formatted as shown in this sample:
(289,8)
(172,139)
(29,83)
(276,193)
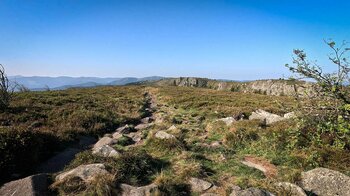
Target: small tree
(6,90)
(325,114)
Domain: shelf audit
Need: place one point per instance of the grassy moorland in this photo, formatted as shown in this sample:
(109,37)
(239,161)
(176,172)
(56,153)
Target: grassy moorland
(40,123)
(37,124)
(195,113)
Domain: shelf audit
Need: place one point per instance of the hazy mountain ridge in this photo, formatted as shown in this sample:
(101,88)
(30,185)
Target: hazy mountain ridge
(64,82)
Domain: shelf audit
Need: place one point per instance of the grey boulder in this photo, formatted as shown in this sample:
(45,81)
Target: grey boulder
(325,182)
(84,172)
(29,186)
(105,151)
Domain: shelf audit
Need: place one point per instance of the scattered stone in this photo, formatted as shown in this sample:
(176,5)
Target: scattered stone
(325,182)
(289,115)
(291,189)
(228,120)
(263,115)
(198,185)
(143,126)
(29,186)
(105,141)
(250,192)
(105,151)
(117,135)
(261,164)
(164,135)
(125,129)
(84,172)
(127,190)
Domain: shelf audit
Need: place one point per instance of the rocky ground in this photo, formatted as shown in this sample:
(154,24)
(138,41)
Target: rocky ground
(188,151)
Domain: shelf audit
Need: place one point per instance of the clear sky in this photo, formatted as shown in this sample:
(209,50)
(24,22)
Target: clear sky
(240,40)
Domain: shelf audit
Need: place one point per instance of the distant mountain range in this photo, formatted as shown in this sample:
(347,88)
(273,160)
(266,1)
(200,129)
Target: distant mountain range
(64,82)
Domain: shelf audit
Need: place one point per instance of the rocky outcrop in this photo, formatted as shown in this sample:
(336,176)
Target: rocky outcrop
(84,172)
(267,87)
(325,182)
(191,82)
(105,151)
(29,186)
(164,135)
(127,190)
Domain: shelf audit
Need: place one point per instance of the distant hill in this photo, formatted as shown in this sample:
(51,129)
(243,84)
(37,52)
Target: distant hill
(63,82)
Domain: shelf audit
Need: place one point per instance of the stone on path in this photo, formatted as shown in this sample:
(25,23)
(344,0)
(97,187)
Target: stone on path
(84,172)
(105,151)
(325,182)
(124,129)
(30,186)
(105,141)
(198,185)
(164,135)
(127,190)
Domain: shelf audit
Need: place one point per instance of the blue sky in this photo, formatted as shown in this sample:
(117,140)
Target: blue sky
(217,39)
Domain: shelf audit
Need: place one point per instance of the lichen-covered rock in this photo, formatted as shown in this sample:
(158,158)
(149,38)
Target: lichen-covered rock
(325,182)
(105,141)
(250,192)
(105,151)
(290,189)
(198,185)
(164,135)
(84,172)
(127,190)
(263,115)
(29,186)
